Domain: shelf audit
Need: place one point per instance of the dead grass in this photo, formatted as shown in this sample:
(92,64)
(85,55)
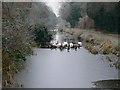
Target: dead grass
(91,48)
(108,43)
(10,67)
(108,47)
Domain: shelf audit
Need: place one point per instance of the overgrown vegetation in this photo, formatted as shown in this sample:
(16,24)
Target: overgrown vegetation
(16,40)
(41,35)
(19,36)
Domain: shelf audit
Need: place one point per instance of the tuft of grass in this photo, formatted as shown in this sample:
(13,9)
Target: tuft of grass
(106,47)
(91,48)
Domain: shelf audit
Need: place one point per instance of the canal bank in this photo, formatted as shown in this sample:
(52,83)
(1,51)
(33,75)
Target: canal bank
(97,42)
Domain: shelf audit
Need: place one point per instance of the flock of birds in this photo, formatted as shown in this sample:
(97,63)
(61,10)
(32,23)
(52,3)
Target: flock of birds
(65,45)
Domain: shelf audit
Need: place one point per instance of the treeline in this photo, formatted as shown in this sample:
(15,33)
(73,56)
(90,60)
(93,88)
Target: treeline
(104,14)
(72,11)
(23,25)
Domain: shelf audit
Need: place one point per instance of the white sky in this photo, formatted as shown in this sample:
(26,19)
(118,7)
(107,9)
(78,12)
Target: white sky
(54,5)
